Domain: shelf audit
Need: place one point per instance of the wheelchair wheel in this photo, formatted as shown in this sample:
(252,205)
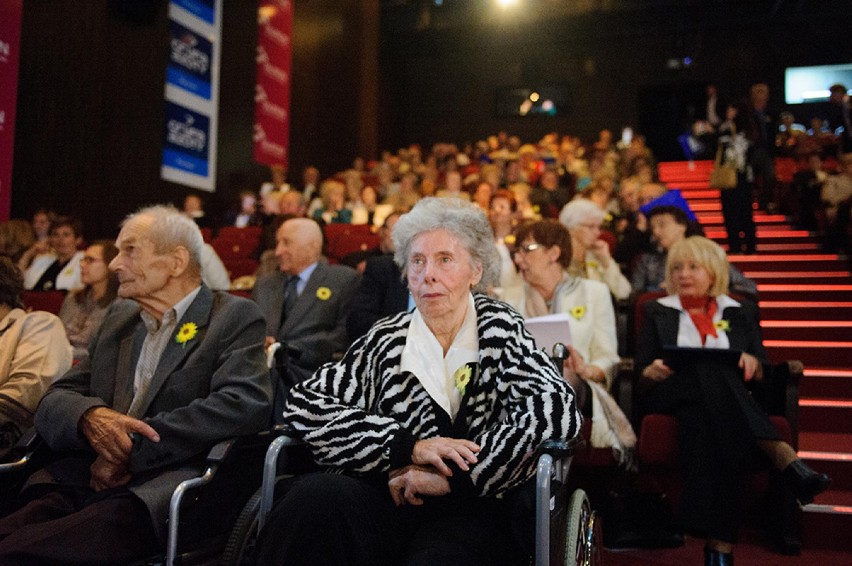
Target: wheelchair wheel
(582,536)
(240,547)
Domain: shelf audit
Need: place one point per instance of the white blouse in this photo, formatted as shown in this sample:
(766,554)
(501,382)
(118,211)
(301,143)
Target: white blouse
(687,332)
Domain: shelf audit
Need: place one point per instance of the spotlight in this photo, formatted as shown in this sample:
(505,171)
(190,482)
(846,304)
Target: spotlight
(507,3)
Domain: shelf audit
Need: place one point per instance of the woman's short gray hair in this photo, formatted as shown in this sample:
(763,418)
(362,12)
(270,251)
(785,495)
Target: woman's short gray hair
(580,210)
(465,221)
(170,229)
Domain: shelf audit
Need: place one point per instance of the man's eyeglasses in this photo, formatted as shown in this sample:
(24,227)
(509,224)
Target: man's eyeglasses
(525,249)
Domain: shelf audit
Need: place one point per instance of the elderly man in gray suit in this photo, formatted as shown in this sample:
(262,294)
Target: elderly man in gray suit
(306,302)
(171,371)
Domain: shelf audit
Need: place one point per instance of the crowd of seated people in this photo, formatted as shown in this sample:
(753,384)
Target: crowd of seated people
(564,221)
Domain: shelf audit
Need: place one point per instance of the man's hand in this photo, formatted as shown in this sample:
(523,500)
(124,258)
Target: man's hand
(108,432)
(106,475)
(433,451)
(407,484)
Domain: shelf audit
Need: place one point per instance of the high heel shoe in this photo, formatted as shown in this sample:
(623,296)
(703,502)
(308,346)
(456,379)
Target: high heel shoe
(805,482)
(717,558)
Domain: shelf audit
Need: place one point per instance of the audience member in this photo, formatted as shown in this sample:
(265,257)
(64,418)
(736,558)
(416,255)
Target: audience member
(549,196)
(292,205)
(760,129)
(807,186)
(333,209)
(193,206)
(84,309)
(42,219)
(307,301)
(368,210)
(129,424)
(591,257)
(310,183)
(670,225)
(838,116)
(429,421)
(736,201)
(502,215)
(837,197)
(60,267)
(247,214)
(381,291)
(453,187)
(407,195)
(722,429)
(16,237)
(33,352)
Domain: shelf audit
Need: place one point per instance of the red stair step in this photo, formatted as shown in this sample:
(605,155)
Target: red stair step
(826,527)
(816,330)
(776,262)
(827,383)
(805,293)
(796,310)
(834,442)
(825,415)
(799,277)
(817,354)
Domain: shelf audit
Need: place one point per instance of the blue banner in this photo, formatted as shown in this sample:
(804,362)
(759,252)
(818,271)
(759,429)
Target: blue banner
(187,140)
(201,9)
(190,56)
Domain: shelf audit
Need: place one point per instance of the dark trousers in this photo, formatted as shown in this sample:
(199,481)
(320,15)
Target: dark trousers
(334,520)
(739,217)
(718,423)
(763,165)
(78,527)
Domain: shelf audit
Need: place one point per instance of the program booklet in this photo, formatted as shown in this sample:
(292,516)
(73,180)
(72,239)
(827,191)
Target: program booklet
(549,330)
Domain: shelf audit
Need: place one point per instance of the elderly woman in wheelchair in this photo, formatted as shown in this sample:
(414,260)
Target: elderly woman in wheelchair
(429,424)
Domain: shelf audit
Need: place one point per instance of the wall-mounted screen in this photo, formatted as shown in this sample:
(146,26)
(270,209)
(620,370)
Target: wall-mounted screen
(810,84)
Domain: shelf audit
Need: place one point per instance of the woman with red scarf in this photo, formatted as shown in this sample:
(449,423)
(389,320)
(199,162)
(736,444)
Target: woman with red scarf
(722,431)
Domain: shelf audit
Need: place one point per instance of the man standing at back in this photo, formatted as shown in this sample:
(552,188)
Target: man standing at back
(172,371)
(306,302)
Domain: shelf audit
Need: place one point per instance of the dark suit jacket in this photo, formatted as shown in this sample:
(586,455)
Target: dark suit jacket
(660,328)
(213,387)
(382,292)
(316,329)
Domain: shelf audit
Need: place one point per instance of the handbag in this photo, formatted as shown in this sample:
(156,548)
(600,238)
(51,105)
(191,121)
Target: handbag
(724,175)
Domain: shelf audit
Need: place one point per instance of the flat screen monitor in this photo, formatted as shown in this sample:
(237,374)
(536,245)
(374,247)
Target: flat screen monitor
(810,84)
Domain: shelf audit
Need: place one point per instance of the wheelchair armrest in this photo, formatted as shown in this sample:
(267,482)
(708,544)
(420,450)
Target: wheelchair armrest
(220,451)
(23,451)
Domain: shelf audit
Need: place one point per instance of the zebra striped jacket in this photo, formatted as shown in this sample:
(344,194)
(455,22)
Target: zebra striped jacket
(363,415)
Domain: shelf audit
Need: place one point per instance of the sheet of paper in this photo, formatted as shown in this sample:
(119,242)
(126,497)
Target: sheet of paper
(549,330)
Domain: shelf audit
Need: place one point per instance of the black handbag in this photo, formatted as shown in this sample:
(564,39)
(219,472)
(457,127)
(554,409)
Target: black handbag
(635,519)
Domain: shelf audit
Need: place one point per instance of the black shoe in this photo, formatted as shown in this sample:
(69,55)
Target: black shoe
(716,558)
(805,482)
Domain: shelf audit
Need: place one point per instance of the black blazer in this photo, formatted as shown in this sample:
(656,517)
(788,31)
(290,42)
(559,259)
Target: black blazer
(382,292)
(660,328)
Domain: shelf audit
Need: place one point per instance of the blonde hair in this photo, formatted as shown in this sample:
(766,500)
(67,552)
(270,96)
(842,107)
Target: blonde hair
(706,253)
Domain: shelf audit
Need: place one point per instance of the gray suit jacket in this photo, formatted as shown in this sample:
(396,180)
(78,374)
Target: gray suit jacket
(316,328)
(213,387)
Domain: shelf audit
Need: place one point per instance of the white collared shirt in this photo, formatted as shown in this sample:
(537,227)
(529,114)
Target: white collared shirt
(422,351)
(687,333)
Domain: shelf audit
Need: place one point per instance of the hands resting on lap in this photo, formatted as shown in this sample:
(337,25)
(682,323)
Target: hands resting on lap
(428,473)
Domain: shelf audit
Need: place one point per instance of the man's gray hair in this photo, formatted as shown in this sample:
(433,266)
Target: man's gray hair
(170,229)
(463,220)
(580,210)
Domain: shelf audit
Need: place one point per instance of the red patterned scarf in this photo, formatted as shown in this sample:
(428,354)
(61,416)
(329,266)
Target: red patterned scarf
(701,311)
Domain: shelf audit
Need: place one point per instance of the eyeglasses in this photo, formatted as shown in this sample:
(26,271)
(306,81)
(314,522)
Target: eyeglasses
(525,249)
(89,259)
(590,226)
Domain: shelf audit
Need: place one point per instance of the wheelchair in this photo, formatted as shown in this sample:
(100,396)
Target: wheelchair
(567,530)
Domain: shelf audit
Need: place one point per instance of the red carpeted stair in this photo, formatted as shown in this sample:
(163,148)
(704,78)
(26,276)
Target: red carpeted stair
(806,310)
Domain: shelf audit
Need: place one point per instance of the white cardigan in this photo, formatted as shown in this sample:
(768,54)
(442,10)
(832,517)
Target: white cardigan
(68,278)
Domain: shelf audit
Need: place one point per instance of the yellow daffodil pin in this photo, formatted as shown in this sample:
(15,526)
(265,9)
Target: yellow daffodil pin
(592,263)
(578,312)
(462,377)
(723,325)
(186,333)
(323,293)
(509,240)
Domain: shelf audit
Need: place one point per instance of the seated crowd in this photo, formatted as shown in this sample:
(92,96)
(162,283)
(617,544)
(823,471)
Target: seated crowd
(403,368)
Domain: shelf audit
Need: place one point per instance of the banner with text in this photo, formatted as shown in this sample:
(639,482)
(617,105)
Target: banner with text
(272,90)
(192,93)
(10,42)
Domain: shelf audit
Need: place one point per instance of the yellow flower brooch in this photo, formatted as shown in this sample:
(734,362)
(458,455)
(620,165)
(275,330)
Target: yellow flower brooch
(509,240)
(578,312)
(462,377)
(186,333)
(323,293)
(723,325)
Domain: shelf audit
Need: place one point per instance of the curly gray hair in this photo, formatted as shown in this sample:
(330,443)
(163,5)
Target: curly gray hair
(581,210)
(465,221)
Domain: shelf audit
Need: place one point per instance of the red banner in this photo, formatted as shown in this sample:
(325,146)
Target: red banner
(272,90)
(10,42)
